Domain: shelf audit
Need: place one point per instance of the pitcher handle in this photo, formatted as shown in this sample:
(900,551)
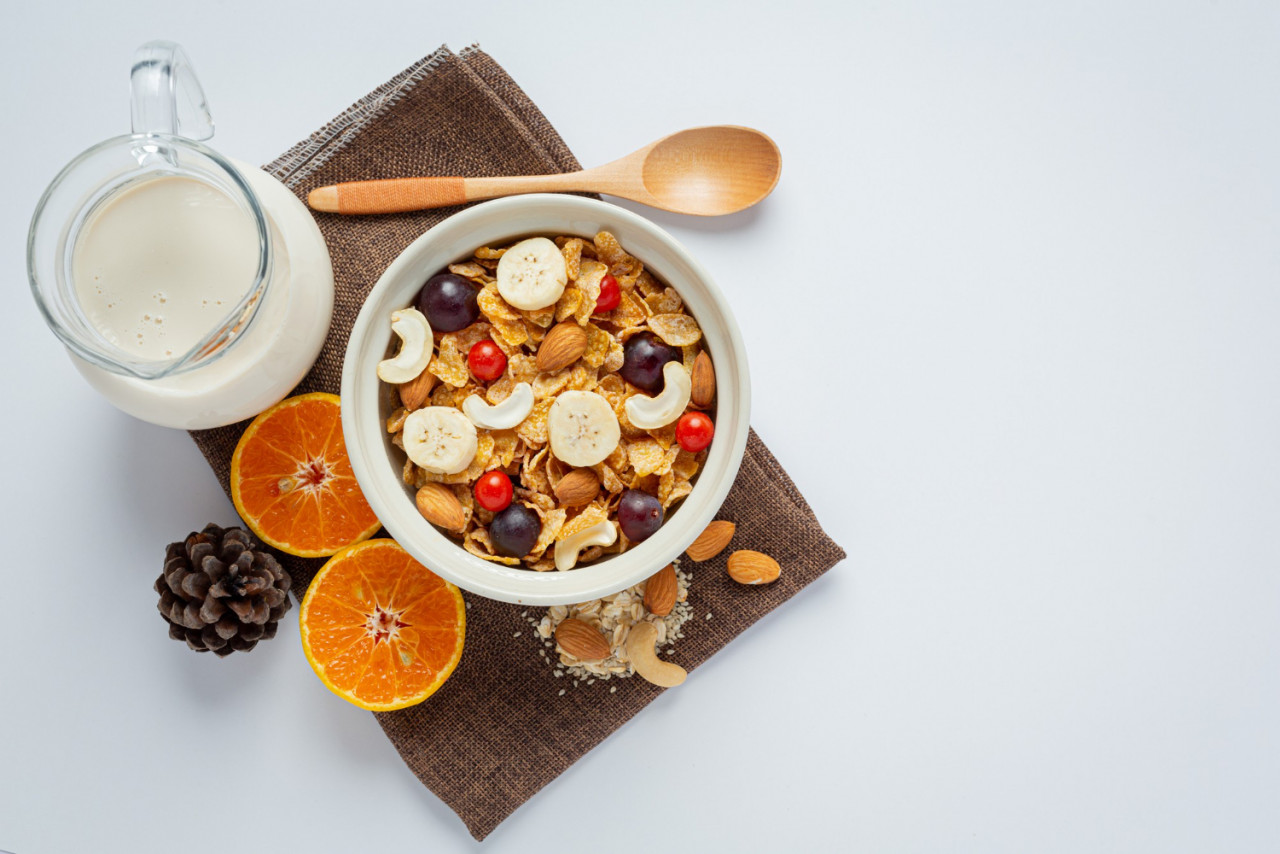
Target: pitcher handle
(166,97)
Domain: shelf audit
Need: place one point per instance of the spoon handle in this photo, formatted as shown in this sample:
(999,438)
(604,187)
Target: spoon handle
(395,195)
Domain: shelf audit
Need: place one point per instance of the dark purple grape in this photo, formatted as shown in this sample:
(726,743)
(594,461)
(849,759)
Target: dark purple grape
(449,302)
(643,356)
(515,530)
(639,514)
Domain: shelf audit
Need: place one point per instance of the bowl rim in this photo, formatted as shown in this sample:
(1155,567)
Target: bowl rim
(390,498)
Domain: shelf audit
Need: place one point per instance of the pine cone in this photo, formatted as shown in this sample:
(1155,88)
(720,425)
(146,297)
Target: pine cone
(221,591)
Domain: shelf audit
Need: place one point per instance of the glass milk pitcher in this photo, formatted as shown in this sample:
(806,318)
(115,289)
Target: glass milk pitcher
(191,290)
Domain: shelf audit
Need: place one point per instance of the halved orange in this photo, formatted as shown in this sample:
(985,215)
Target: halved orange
(380,629)
(291,479)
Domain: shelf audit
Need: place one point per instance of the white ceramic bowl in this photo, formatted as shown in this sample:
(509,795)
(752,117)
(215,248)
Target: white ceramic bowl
(378,463)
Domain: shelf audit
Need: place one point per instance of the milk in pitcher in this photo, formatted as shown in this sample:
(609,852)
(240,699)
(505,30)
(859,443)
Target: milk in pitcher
(158,266)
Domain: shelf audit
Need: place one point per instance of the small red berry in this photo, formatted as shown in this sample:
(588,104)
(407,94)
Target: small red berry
(487,360)
(694,431)
(610,295)
(494,491)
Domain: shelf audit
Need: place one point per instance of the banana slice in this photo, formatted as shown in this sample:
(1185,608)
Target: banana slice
(532,274)
(582,428)
(440,439)
(416,342)
(599,534)
(506,414)
(650,413)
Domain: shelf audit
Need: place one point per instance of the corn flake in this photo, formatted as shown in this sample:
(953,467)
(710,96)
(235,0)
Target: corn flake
(672,488)
(572,251)
(493,305)
(471,336)
(485,253)
(612,388)
(645,483)
(614,358)
(534,473)
(512,332)
(522,368)
(552,521)
(629,430)
(593,514)
(568,303)
(582,378)
(504,448)
(478,543)
(448,364)
(543,317)
(647,284)
(500,390)
(664,303)
(618,458)
(549,385)
(469,270)
(608,478)
(689,353)
(533,429)
(611,252)
(675,329)
(664,436)
(589,277)
(646,456)
(598,342)
(630,313)
(536,500)
(686,465)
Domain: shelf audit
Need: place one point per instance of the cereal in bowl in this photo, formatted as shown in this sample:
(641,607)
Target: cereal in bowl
(552,399)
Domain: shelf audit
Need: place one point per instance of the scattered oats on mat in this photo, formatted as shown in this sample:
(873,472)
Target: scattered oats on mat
(517,634)
(561,692)
(614,616)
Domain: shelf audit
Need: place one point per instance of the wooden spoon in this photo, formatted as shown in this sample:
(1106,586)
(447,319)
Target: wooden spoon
(704,171)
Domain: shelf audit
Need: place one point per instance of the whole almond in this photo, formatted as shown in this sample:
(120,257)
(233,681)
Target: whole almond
(704,381)
(577,488)
(582,640)
(661,590)
(712,541)
(415,392)
(748,567)
(562,346)
(439,506)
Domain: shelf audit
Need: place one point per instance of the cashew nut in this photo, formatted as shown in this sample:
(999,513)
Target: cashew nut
(599,534)
(416,343)
(650,413)
(644,658)
(507,414)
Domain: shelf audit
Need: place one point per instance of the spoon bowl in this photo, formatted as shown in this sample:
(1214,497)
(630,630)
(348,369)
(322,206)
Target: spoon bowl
(706,171)
(711,171)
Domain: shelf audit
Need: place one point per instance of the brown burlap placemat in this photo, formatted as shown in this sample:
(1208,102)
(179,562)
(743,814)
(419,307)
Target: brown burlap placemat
(499,730)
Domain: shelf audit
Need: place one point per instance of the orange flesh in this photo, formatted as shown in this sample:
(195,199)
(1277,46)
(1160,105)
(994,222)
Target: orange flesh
(379,628)
(292,481)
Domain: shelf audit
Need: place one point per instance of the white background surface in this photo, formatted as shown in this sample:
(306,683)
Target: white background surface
(1012,314)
